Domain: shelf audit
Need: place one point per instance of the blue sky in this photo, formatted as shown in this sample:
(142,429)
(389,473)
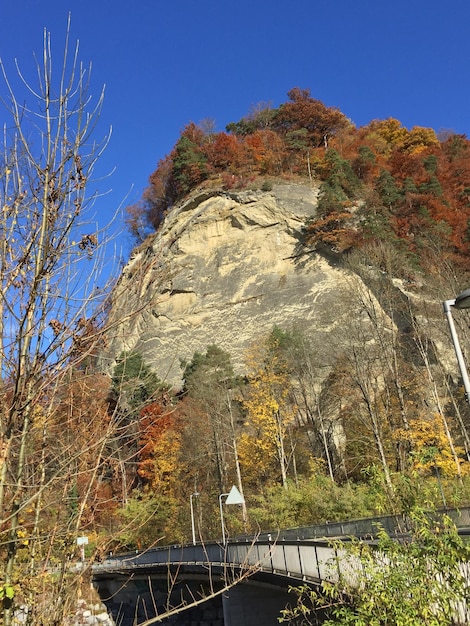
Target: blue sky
(166,63)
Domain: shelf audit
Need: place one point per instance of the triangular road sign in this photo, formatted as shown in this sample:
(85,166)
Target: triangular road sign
(234,497)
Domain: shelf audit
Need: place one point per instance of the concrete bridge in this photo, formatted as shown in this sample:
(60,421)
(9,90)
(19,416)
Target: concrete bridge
(248,578)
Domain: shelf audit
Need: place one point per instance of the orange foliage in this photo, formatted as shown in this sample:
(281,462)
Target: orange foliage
(432,179)
(223,152)
(334,231)
(265,150)
(159,446)
(157,197)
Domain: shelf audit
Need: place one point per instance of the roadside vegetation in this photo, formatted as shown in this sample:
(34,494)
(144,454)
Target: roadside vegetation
(418,579)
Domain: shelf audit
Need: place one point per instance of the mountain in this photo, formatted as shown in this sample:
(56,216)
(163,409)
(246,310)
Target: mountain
(225,267)
(313,257)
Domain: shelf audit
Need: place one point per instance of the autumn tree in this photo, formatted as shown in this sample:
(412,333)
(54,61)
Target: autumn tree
(157,198)
(134,385)
(159,446)
(264,151)
(390,130)
(189,160)
(50,254)
(223,152)
(211,384)
(430,449)
(304,112)
(145,216)
(364,164)
(263,446)
(155,503)
(80,429)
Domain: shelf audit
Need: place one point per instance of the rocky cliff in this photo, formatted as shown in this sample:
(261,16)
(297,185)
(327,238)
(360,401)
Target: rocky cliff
(224,268)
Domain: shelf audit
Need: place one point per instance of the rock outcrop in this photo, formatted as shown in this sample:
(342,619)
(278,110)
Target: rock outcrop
(224,268)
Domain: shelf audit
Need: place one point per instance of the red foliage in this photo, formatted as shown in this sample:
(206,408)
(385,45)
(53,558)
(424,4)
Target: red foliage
(223,152)
(431,180)
(404,166)
(304,112)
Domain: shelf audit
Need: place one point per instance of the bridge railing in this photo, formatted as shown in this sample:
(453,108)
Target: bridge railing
(300,557)
(305,560)
(363,528)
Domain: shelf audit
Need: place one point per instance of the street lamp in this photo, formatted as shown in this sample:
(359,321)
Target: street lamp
(193,495)
(234,497)
(462,301)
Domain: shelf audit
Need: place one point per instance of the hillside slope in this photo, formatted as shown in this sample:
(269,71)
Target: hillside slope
(224,268)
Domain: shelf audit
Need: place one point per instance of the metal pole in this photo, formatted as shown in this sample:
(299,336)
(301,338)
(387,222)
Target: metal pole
(448,304)
(192,515)
(222,516)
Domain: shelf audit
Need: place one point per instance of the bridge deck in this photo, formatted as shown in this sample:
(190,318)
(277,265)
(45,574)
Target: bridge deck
(302,560)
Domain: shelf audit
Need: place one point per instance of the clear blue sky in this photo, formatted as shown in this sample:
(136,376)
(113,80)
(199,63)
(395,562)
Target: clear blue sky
(166,63)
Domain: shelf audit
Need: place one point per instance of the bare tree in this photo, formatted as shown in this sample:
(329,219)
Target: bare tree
(51,252)
(211,384)
(365,354)
(307,369)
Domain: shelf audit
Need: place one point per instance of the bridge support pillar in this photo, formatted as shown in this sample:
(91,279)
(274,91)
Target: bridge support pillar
(252,604)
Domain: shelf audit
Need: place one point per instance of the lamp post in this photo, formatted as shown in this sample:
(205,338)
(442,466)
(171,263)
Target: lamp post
(193,495)
(462,301)
(234,497)
(222,495)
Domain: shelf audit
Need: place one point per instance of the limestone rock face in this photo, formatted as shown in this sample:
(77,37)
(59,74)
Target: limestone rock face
(223,269)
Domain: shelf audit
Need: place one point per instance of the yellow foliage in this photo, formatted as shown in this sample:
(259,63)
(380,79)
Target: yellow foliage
(418,139)
(317,467)
(397,136)
(430,447)
(268,414)
(39,416)
(257,457)
(161,468)
(23,537)
(392,131)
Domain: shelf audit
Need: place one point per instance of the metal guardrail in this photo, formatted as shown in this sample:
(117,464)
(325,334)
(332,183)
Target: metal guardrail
(364,528)
(302,557)
(303,560)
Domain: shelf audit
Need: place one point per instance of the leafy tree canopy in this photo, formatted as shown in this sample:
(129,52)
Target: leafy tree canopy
(134,383)
(206,369)
(415,581)
(379,180)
